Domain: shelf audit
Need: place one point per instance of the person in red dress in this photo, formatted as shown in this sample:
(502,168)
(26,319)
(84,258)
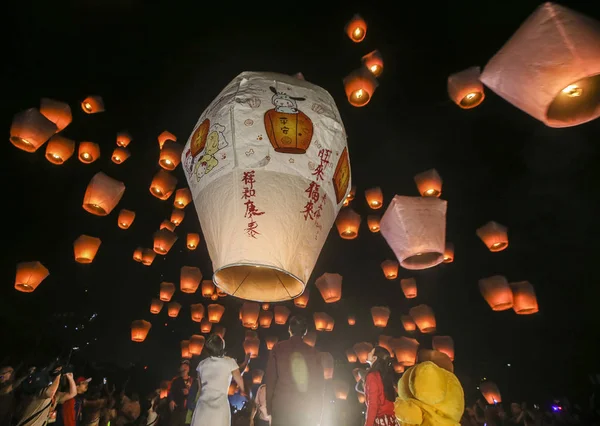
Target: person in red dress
(379,389)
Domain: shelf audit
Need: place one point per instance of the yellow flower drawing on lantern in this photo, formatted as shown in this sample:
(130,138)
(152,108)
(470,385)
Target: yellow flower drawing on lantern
(215,141)
(289,129)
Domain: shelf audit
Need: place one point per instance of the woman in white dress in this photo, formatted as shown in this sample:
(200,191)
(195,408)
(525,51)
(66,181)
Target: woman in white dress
(214,374)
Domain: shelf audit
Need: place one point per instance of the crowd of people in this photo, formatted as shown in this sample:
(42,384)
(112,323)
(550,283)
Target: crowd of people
(293,394)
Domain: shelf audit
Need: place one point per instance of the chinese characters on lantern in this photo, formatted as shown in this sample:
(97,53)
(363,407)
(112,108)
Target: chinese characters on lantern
(248,195)
(314,204)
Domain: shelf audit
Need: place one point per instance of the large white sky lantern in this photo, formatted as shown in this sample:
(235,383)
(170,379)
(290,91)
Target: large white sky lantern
(415,229)
(268,169)
(550,68)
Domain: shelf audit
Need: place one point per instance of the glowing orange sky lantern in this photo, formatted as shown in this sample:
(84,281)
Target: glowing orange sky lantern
(137,254)
(351,320)
(251,255)
(398,368)
(381,316)
(390,269)
(429,183)
(494,236)
(140,330)
(215,296)
(330,324)
(208,288)
(215,312)
(197,312)
(328,365)
(374,197)
(265,306)
(196,344)
(360,85)
(192,241)
(29,276)
(444,344)
(449,253)
(205,325)
(281,314)
(550,67)
(302,300)
(356,28)
(350,196)
(163,184)
(156,306)
(496,292)
(85,248)
(409,287)
(406,350)
(348,223)
(310,338)
(341,389)
(249,313)
(386,342)
(257,376)
(166,136)
(351,355)
(173,309)
(220,330)
(330,286)
(166,291)
(170,155)
(271,341)
(362,350)
(373,62)
(93,104)
(190,278)
(265,318)
(424,318)
(373,223)
(490,392)
(102,195)
(123,139)
(167,224)
(148,256)
(183,197)
(163,241)
(408,323)
(321,320)
(57,112)
(185,349)
(59,149)
(119,155)
(88,152)
(125,218)
(30,130)
(525,300)
(177,216)
(252,346)
(465,89)
(415,229)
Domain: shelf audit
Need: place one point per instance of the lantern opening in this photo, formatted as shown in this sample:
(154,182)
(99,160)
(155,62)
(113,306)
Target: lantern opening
(578,101)
(431,192)
(95,209)
(87,106)
(261,283)
(25,288)
(359,97)
(85,156)
(157,191)
(83,260)
(357,34)
(471,100)
(423,260)
(375,69)
(23,144)
(499,246)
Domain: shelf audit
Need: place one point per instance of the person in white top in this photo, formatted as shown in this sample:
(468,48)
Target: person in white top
(262,418)
(214,374)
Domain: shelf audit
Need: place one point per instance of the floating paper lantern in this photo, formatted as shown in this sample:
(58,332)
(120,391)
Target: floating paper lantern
(374,62)
(208,288)
(59,149)
(197,310)
(302,300)
(85,248)
(330,286)
(429,183)
(183,197)
(214,296)
(490,392)
(30,130)
(251,347)
(398,368)
(328,364)
(170,155)
(177,216)
(249,313)
(390,269)
(123,139)
(409,287)
(119,155)
(348,223)
(310,338)
(271,341)
(88,152)
(265,318)
(92,104)
(373,223)
(219,331)
(381,315)
(148,256)
(102,195)
(330,324)
(465,89)
(192,241)
(257,376)
(525,301)
(550,68)
(351,320)
(163,184)
(415,229)
(215,312)
(173,309)
(374,197)
(205,325)
(444,344)
(494,236)
(350,196)
(356,28)
(362,350)
(137,254)
(360,85)
(156,306)
(167,224)
(408,323)
(29,276)
(164,137)
(190,278)
(406,350)
(386,342)
(163,241)
(424,318)
(281,314)
(351,355)
(250,252)
(140,330)
(496,292)
(196,344)
(185,349)
(166,291)
(321,320)
(125,218)
(341,389)
(57,112)
(449,253)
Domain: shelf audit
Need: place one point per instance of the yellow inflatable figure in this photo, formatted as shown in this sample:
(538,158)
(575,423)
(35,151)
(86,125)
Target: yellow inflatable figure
(429,395)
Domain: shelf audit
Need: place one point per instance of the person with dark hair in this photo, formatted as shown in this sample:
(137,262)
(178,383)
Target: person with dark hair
(294,380)
(214,375)
(178,394)
(379,389)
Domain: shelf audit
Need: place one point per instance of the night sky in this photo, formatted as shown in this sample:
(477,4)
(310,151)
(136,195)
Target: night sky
(159,66)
